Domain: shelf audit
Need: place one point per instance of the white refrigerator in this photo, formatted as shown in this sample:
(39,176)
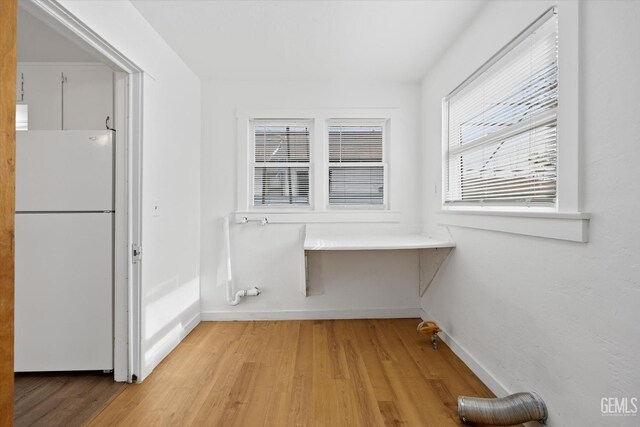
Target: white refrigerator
(64,251)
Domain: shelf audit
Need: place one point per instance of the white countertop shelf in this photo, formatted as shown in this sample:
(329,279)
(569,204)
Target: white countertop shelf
(359,242)
(374,237)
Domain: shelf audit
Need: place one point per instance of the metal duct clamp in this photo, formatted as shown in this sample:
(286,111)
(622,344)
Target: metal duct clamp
(517,408)
(429,327)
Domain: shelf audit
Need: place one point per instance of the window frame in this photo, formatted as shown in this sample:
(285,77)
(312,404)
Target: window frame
(567,198)
(498,205)
(565,220)
(319,210)
(252,164)
(384,123)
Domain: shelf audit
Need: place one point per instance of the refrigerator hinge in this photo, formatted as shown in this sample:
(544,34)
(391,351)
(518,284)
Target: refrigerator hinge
(136,253)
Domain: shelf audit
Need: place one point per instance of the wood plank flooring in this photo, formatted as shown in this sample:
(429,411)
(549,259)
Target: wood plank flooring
(62,399)
(298,373)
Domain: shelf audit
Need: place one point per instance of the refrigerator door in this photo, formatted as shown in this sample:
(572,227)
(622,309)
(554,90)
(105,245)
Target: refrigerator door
(64,171)
(63,293)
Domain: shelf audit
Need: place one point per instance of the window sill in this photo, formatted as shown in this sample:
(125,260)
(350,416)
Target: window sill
(551,225)
(316,217)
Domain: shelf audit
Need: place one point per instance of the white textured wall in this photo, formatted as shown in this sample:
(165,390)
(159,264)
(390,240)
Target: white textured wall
(557,317)
(270,256)
(171,174)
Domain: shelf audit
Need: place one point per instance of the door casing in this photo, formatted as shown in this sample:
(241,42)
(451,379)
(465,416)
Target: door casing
(8,23)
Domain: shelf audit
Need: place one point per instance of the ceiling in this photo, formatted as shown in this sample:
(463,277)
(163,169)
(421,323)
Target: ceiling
(307,39)
(37,42)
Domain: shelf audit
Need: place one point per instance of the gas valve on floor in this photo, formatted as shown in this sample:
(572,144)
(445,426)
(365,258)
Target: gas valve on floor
(429,327)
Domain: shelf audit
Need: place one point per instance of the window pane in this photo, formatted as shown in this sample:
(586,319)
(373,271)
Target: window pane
(521,168)
(355,144)
(522,84)
(281,186)
(356,185)
(281,143)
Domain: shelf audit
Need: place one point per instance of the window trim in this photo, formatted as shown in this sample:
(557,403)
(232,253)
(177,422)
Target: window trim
(532,220)
(318,210)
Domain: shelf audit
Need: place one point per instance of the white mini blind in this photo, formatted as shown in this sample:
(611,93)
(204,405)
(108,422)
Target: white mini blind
(281,168)
(356,168)
(501,131)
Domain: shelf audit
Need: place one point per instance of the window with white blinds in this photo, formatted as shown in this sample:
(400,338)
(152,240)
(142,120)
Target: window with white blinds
(501,138)
(356,164)
(281,163)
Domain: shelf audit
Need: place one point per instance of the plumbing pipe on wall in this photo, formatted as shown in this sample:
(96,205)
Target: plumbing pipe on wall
(254,292)
(517,408)
(231,298)
(262,221)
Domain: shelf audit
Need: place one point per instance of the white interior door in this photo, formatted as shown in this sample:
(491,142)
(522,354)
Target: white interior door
(63,292)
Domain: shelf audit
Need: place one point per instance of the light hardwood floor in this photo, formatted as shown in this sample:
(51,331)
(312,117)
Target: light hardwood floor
(300,373)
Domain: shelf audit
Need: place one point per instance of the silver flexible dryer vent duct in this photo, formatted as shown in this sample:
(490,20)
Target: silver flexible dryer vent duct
(505,411)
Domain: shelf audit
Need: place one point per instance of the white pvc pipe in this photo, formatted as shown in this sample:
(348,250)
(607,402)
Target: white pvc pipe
(231,298)
(244,293)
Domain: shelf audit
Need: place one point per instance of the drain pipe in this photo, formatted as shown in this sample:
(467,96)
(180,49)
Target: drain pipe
(517,408)
(243,293)
(231,298)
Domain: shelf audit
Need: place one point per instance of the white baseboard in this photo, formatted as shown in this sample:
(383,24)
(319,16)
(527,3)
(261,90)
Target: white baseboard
(184,331)
(190,326)
(485,375)
(367,313)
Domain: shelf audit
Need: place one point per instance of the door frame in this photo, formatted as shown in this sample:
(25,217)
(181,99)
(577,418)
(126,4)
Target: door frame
(128,97)
(8,47)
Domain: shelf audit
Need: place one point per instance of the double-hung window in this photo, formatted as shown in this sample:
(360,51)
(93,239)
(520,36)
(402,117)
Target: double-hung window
(356,166)
(295,163)
(281,154)
(500,137)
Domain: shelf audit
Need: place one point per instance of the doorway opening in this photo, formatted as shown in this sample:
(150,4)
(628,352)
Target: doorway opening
(71,84)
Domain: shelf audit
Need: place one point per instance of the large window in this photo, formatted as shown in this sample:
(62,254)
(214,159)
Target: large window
(500,134)
(281,163)
(356,168)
